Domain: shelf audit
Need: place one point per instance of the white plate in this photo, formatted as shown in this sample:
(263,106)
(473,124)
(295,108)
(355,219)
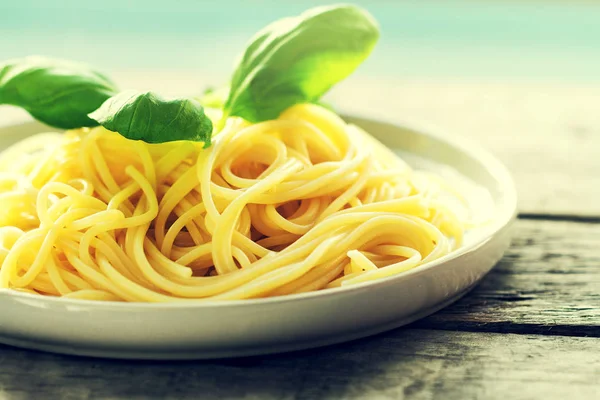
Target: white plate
(261,326)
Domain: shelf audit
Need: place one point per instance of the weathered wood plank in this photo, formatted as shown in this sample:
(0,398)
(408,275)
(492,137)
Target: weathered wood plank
(406,363)
(548,134)
(548,282)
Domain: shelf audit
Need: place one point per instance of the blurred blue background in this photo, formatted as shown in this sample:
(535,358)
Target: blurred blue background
(532,40)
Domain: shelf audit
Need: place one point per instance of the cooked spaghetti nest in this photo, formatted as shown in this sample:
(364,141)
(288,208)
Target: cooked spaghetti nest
(302,203)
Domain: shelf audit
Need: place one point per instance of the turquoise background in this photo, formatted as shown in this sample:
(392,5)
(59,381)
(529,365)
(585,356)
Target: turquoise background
(531,40)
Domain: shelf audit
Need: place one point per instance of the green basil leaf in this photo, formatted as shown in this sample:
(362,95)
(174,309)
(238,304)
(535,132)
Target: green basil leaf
(298,59)
(58,93)
(153,119)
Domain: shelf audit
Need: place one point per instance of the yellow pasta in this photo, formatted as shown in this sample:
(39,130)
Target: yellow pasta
(302,203)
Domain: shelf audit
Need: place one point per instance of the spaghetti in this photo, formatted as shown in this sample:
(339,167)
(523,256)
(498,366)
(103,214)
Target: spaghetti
(301,203)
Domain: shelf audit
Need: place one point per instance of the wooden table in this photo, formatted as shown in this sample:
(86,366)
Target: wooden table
(531,330)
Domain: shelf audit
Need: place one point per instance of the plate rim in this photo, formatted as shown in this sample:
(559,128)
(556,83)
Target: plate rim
(506,215)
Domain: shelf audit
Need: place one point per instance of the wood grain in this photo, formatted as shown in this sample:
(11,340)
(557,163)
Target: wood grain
(406,363)
(548,282)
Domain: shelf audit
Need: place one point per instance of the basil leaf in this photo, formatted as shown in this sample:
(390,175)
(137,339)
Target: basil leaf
(296,60)
(148,117)
(56,92)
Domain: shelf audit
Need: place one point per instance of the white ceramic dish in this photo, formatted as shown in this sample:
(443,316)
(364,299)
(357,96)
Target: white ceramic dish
(261,326)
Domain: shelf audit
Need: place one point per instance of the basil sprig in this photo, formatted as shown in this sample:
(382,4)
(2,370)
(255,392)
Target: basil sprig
(153,119)
(296,60)
(293,60)
(58,93)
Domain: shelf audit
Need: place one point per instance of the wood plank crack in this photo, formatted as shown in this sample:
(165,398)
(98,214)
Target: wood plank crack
(547,283)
